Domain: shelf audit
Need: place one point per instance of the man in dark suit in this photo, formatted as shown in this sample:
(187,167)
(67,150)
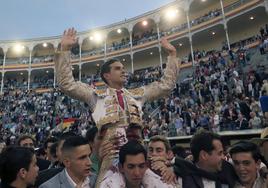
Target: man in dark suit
(264,104)
(75,156)
(241,122)
(245,108)
(28,141)
(208,168)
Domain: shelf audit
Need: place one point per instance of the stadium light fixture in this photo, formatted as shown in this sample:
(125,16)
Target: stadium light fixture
(18,48)
(45,45)
(97,37)
(171,14)
(119,31)
(144,23)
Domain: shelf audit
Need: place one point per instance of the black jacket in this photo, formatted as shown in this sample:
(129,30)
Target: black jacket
(192,176)
(4,185)
(42,164)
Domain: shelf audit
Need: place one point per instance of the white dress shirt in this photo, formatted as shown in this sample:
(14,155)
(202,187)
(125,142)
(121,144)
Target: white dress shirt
(85,184)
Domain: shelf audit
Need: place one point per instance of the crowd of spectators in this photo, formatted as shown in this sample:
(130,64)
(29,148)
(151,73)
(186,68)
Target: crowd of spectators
(144,76)
(20,60)
(43,59)
(146,36)
(37,113)
(44,82)
(218,87)
(94,51)
(13,83)
(25,60)
(220,95)
(124,43)
(219,83)
(208,16)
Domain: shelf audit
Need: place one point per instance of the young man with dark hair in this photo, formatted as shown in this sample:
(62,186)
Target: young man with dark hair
(179,151)
(262,143)
(131,167)
(114,106)
(91,135)
(94,141)
(150,179)
(57,165)
(62,138)
(41,153)
(246,158)
(159,146)
(75,155)
(52,155)
(26,141)
(160,171)
(133,163)
(48,143)
(207,151)
(106,68)
(134,132)
(18,167)
(29,142)
(208,170)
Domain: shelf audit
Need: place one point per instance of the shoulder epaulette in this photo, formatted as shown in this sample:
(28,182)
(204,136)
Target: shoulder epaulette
(100,92)
(137,91)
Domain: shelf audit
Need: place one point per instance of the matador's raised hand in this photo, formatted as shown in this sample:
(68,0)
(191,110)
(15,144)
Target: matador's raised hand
(68,39)
(169,47)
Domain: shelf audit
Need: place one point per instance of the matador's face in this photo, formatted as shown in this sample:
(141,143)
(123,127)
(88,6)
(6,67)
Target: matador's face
(117,73)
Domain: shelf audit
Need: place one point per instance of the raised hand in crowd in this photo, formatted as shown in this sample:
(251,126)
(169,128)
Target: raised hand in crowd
(68,39)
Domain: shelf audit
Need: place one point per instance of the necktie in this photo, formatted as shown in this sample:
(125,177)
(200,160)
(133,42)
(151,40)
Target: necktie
(120,98)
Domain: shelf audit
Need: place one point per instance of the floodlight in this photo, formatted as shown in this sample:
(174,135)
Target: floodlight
(144,23)
(18,48)
(97,37)
(119,31)
(172,13)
